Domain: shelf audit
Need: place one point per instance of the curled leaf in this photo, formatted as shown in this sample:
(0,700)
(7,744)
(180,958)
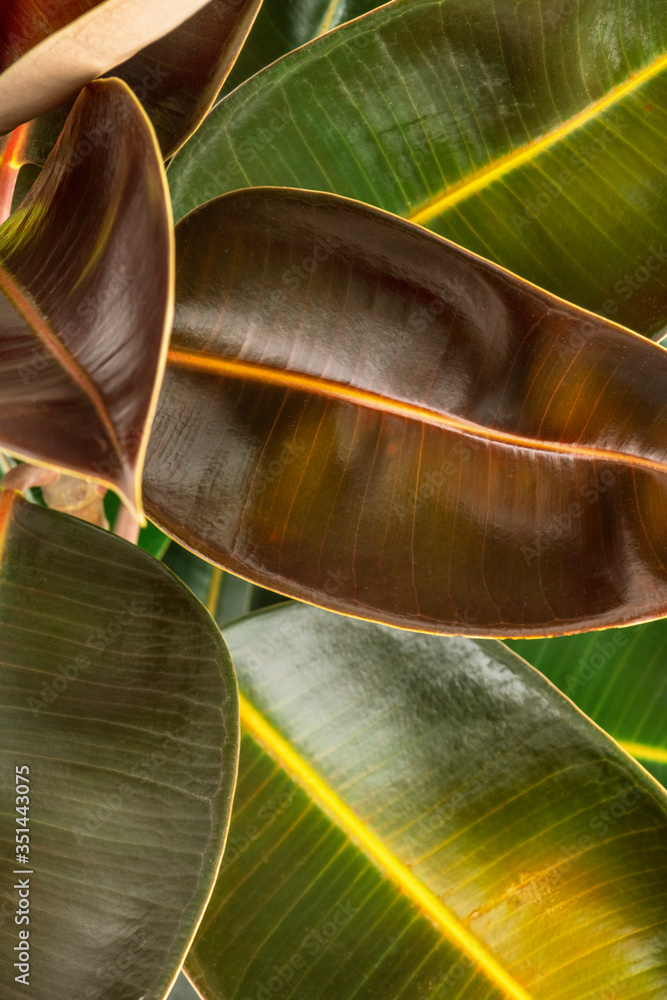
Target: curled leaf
(86,297)
(47,55)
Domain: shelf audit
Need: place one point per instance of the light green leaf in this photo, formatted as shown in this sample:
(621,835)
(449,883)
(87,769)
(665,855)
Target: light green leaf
(419,817)
(618,678)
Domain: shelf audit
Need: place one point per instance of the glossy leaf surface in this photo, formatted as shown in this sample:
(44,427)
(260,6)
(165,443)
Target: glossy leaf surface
(86,297)
(618,677)
(425,817)
(531,133)
(119,697)
(48,51)
(284,25)
(361,415)
(176,78)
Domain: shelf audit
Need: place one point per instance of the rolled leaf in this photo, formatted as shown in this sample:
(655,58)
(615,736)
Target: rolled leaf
(119,740)
(531,133)
(364,416)
(419,817)
(49,51)
(86,297)
(618,678)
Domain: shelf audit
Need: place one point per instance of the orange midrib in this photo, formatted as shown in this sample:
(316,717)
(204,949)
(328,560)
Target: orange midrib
(194,361)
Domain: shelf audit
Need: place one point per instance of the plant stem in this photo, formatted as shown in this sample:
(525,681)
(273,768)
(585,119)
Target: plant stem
(126,526)
(11,161)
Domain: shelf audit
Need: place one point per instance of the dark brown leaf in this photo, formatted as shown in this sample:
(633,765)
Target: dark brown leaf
(362,415)
(48,50)
(85,310)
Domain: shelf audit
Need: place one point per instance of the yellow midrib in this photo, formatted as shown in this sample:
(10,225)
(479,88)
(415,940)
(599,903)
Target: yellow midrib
(643,751)
(372,846)
(267,375)
(435,206)
(327,20)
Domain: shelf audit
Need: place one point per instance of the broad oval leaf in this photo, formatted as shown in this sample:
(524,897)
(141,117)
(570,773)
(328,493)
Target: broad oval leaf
(419,817)
(119,706)
(49,51)
(361,415)
(86,297)
(531,133)
(618,678)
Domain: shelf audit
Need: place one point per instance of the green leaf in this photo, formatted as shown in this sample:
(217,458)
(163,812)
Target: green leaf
(284,25)
(86,297)
(531,133)
(151,539)
(419,817)
(227,597)
(119,697)
(618,678)
(48,51)
(363,416)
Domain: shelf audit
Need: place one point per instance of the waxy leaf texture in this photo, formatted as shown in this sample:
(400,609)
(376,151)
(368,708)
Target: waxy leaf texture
(361,415)
(425,818)
(86,297)
(531,133)
(119,705)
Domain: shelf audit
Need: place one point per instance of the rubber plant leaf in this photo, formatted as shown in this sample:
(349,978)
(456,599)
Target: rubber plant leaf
(361,415)
(48,51)
(420,817)
(530,133)
(176,78)
(284,25)
(618,678)
(86,297)
(119,740)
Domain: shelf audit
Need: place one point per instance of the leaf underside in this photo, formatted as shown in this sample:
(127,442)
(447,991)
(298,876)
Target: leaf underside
(48,51)
(119,696)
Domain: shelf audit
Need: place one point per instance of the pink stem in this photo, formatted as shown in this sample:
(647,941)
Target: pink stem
(24,477)
(11,162)
(126,526)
